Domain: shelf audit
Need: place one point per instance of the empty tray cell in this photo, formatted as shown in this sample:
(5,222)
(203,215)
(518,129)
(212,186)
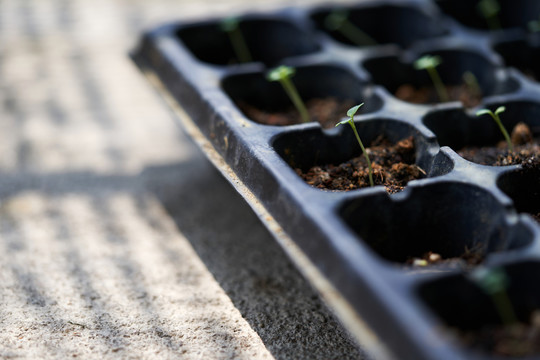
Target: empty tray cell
(492,310)
(480,14)
(522,55)
(479,139)
(327,91)
(334,160)
(523,186)
(264,40)
(447,223)
(373,25)
(466,76)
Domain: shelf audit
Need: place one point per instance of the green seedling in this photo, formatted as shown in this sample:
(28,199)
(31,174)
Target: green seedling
(283,75)
(430,63)
(490,9)
(534,25)
(494,282)
(472,83)
(338,20)
(497,119)
(350,113)
(232,28)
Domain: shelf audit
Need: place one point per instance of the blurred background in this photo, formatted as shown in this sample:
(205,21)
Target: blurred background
(117,238)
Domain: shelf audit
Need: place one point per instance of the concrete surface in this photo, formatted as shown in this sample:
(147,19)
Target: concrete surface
(117,238)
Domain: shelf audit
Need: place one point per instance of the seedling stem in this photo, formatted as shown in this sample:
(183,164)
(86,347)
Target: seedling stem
(497,119)
(338,21)
(430,63)
(490,10)
(283,75)
(494,283)
(472,83)
(350,113)
(232,28)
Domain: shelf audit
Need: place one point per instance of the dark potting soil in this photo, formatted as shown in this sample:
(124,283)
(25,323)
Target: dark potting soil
(514,340)
(393,166)
(428,95)
(469,258)
(526,150)
(327,111)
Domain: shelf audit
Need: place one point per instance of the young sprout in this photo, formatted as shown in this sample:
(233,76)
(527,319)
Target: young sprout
(490,9)
(494,283)
(231,27)
(472,83)
(338,20)
(430,63)
(283,75)
(350,113)
(534,25)
(497,119)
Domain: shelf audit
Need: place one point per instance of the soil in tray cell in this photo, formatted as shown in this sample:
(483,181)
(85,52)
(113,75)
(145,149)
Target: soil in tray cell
(468,96)
(326,111)
(522,186)
(518,339)
(526,150)
(393,167)
(469,258)
(444,76)
(493,311)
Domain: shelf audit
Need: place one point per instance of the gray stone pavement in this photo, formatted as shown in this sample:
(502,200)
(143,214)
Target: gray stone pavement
(118,239)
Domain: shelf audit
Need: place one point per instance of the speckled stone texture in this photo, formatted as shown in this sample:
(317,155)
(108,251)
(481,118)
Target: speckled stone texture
(117,238)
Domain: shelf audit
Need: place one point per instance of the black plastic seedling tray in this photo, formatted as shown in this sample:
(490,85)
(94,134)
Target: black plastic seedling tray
(353,245)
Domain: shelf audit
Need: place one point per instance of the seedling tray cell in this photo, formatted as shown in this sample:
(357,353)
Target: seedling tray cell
(401,267)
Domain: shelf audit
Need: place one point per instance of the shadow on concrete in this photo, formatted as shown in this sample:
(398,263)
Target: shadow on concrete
(249,265)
